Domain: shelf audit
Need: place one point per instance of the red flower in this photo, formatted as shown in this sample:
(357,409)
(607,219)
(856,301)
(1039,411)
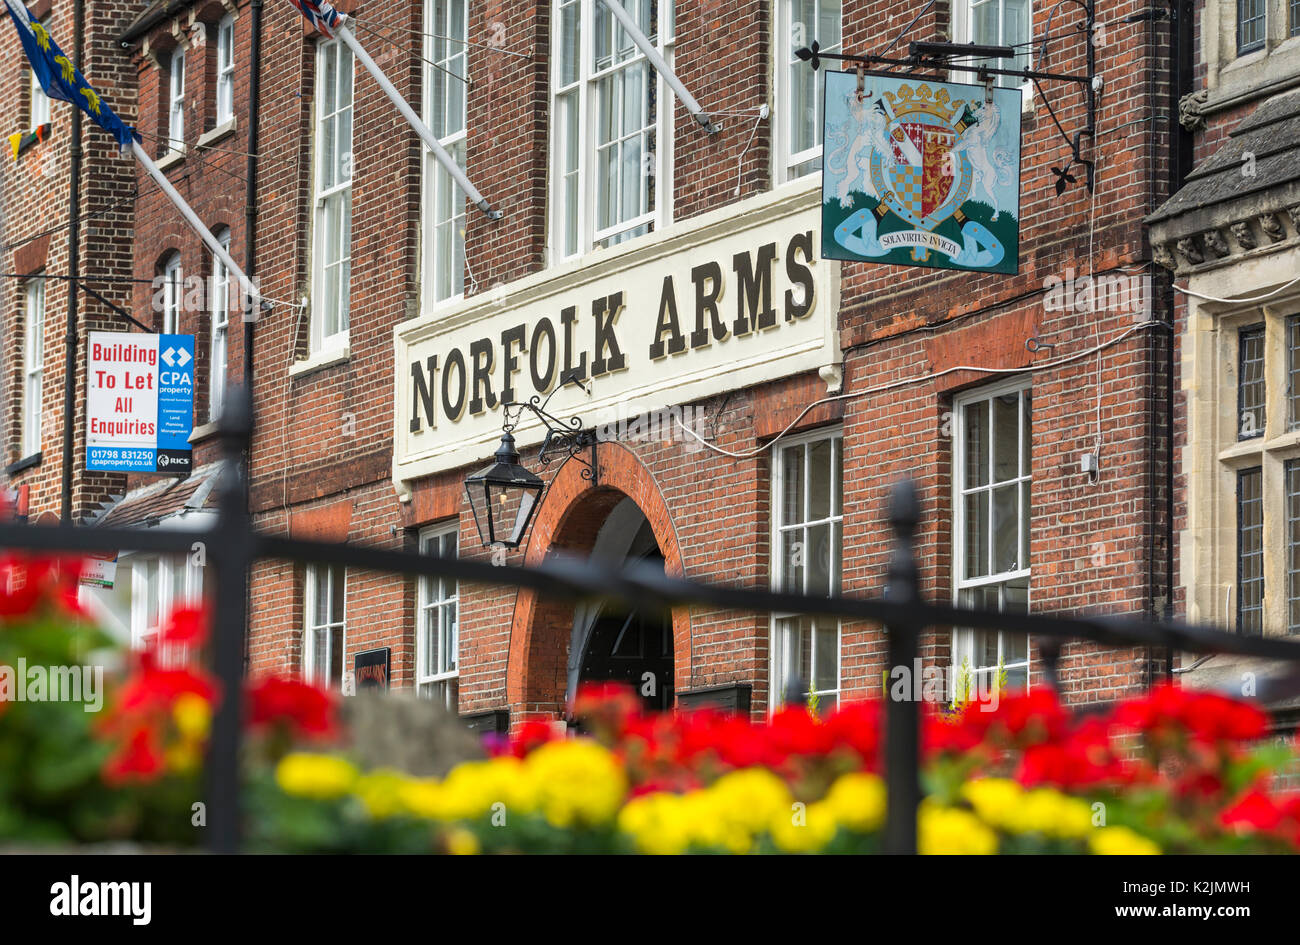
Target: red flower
(856,725)
(154,688)
(1204,716)
(139,758)
(187,626)
(531,735)
(1255,810)
(304,708)
(27,583)
(606,708)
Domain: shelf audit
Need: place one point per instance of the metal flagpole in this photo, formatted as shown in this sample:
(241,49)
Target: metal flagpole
(192,219)
(633,31)
(446,160)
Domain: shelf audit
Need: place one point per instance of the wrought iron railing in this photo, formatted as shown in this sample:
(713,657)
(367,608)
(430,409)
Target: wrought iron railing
(233,544)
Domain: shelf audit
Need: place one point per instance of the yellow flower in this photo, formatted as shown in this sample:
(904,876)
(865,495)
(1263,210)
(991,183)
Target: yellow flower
(317,776)
(749,799)
(659,823)
(422,797)
(857,801)
(499,786)
(193,716)
(1122,842)
(803,830)
(950,830)
(183,757)
(461,842)
(1054,814)
(575,782)
(380,792)
(1005,805)
(996,800)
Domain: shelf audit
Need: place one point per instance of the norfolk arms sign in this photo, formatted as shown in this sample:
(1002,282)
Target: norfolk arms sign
(724,301)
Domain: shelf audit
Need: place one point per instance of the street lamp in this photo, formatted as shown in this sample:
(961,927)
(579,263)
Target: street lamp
(504,496)
(501,493)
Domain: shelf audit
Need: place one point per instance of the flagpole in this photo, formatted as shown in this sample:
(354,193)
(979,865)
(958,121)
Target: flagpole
(192,219)
(446,160)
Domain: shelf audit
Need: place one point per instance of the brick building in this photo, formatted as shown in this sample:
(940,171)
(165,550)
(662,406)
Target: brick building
(754,399)
(35,254)
(1231,234)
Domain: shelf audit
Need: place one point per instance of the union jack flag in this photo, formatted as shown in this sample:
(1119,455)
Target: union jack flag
(320,14)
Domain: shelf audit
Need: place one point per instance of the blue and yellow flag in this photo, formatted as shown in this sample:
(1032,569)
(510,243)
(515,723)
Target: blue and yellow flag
(59,77)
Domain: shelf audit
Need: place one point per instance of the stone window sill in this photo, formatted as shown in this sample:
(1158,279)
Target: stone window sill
(171,159)
(320,360)
(209,138)
(203,432)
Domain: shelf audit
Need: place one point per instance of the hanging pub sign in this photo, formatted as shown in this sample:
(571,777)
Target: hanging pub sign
(921,173)
(139,402)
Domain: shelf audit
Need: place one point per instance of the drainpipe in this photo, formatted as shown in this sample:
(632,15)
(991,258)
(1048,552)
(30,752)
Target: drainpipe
(1181,72)
(250,259)
(74,269)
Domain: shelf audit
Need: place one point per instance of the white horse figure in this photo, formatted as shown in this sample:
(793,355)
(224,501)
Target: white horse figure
(976,144)
(852,154)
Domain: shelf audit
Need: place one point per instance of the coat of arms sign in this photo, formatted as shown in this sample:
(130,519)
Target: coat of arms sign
(921,173)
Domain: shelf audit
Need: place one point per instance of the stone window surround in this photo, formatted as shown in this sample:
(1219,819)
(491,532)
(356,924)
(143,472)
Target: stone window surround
(1213,454)
(1232,80)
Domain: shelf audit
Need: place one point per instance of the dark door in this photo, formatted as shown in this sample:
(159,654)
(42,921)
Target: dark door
(634,648)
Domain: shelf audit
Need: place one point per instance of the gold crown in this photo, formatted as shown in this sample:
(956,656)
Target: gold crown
(924,99)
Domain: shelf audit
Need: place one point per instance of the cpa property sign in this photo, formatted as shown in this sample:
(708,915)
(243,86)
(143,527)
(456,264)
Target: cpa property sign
(139,402)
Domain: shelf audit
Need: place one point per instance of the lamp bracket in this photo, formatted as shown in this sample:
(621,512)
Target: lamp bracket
(564,438)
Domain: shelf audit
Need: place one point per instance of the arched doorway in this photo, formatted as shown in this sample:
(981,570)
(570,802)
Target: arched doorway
(544,665)
(618,644)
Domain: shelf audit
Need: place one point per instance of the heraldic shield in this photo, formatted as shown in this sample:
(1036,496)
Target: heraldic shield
(921,173)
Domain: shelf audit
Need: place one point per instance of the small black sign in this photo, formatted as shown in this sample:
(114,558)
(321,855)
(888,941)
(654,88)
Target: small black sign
(729,698)
(175,461)
(372,669)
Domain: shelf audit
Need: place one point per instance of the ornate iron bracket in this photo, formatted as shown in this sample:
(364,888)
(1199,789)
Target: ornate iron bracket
(939,56)
(564,438)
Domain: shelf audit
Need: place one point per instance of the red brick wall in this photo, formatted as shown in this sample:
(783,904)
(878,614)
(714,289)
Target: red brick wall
(322,449)
(35,191)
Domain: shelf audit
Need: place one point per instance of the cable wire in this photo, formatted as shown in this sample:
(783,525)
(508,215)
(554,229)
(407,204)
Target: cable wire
(906,382)
(1251,299)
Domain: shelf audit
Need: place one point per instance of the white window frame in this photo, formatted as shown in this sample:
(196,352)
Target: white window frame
(783,625)
(443,231)
(785,164)
(963,643)
(336,310)
(225,103)
(587,236)
(962,29)
(220,334)
(171,570)
(173,294)
(176,100)
(431,606)
(336,623)
(33,364)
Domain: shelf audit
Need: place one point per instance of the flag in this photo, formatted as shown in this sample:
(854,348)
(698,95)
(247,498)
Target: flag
(319,13)
(60,79)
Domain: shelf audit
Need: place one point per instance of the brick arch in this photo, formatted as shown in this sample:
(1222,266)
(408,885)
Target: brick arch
(569,519)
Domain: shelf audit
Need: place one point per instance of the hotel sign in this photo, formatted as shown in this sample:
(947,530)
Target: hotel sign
(735,298)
